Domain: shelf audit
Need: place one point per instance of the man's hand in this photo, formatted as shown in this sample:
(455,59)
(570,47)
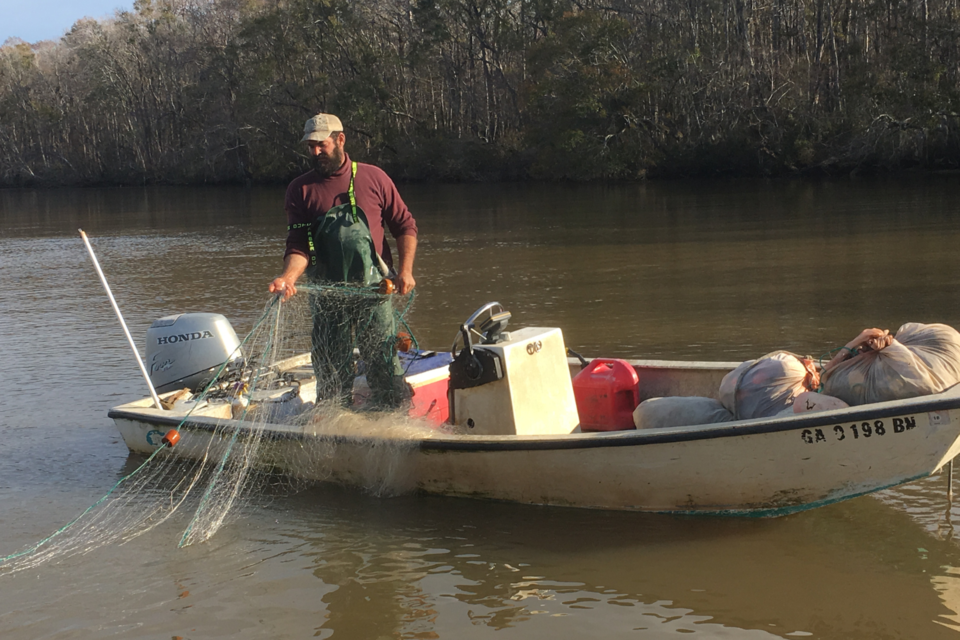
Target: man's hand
(293,267)
(405,283)
(281,285)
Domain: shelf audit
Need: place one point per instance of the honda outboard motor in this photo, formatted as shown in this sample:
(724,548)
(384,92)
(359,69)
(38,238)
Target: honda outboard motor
(187,350)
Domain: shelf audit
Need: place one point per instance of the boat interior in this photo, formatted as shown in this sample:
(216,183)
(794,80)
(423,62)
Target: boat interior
(497,382)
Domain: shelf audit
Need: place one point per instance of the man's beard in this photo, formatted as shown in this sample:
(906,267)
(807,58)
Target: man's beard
(325,165)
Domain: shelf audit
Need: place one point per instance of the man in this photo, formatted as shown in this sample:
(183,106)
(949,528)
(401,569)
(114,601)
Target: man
(336,215)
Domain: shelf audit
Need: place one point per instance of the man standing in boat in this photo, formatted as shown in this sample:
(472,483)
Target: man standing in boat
(337,213)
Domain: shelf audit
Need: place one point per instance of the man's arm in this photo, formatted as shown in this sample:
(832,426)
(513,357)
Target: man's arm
(293,267)
(407,250)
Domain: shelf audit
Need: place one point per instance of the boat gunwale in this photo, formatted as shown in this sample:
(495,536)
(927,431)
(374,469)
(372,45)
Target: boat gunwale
(946,400)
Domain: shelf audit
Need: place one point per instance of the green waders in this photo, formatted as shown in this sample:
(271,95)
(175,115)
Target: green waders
(354,316)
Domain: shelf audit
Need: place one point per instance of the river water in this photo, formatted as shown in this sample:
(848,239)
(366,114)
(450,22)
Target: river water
(724,271)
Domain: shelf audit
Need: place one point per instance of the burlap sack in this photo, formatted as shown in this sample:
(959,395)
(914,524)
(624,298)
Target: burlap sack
(657,413)
(923,359)
(764,387)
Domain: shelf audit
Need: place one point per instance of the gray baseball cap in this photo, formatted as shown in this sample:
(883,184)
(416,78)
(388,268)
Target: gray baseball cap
(320,126)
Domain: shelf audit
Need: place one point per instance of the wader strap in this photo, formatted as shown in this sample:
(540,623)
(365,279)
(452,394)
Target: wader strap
(307,225)
(351,194)
(312,249)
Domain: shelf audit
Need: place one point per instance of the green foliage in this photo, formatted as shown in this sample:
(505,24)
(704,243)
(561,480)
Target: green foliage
(580,98)
(217,91)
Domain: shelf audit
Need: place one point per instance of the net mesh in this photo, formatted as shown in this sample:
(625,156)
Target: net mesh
(299,401)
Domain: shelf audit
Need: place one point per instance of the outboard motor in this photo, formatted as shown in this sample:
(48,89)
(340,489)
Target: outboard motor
(187,350)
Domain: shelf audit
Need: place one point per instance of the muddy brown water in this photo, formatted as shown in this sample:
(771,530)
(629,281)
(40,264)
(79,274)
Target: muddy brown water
(723,271)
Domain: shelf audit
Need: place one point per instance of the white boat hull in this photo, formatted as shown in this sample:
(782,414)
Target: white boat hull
(761,467)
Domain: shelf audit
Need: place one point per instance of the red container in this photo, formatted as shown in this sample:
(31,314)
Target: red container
(429,398)
(607,392)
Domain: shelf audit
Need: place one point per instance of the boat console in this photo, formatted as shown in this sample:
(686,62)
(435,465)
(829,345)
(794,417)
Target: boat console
(515,383)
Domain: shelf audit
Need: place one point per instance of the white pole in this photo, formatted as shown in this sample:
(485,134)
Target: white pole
(103,279)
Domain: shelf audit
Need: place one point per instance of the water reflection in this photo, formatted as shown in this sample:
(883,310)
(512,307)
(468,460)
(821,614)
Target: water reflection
(948,587)
(415,565)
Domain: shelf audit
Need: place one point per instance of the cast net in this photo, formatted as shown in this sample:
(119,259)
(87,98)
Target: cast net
(318,393)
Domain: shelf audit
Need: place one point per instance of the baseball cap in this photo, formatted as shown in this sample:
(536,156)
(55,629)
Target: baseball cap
(320,126)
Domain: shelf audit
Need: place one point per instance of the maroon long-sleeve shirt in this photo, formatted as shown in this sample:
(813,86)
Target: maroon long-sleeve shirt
(310,196)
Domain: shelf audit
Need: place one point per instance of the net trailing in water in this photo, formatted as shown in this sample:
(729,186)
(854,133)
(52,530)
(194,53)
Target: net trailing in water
(314,367)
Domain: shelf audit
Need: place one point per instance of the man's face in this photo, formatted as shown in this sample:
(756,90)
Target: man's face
(326,154)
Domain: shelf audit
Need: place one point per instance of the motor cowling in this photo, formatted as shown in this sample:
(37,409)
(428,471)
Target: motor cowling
(187,350)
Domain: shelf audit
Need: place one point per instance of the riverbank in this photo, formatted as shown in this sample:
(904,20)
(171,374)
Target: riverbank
(425,173)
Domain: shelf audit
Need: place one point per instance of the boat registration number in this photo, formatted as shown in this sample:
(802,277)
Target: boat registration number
(857,430)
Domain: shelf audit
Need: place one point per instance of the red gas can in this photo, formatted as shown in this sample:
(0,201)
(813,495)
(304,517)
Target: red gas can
(607,392)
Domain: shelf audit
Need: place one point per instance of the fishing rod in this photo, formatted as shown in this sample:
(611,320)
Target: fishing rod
(103,279)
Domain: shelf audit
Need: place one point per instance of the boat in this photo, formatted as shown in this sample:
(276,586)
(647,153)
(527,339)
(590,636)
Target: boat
(498,417)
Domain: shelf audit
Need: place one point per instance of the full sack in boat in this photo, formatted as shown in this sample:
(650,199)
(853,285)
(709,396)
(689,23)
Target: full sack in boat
(658,413)
(765,387)
(922,359)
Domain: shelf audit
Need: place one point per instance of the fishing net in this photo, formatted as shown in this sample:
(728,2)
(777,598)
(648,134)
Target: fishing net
(298,401)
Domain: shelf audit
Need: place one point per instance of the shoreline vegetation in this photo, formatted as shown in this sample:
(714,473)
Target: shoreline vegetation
(216,91)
